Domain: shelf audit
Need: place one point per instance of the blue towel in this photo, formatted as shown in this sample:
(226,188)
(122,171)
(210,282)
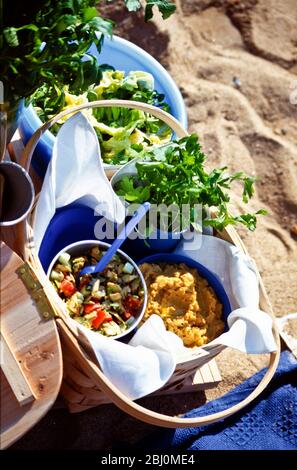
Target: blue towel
(269,423)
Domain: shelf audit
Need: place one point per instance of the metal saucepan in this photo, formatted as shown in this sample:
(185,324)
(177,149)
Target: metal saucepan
(16,187)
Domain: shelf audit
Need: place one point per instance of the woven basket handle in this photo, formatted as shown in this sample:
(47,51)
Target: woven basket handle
(149,416)
(156,112)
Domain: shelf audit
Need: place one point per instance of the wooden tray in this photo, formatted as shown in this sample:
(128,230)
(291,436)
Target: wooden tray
(31,359)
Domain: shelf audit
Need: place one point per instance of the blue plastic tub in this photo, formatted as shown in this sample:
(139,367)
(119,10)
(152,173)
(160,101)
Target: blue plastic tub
(122,55)
(212,279)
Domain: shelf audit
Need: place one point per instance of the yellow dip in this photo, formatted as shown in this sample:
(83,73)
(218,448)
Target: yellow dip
(184,300)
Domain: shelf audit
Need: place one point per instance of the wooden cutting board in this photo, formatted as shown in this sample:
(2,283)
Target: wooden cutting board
(31,359)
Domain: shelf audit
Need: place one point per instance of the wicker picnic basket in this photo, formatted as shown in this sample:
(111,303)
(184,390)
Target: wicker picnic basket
(84,384)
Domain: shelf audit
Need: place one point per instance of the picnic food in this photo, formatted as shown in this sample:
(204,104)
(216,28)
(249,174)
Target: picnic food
(123,133)
(106,302)
(184,300)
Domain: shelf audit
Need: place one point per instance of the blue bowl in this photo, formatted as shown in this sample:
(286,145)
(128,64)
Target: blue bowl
(212,279)
(122,55)
(70,224)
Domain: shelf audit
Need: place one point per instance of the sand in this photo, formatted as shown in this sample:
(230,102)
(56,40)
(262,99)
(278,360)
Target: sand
(236,64)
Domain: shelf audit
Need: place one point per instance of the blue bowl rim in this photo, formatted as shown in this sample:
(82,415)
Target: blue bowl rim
(213,280)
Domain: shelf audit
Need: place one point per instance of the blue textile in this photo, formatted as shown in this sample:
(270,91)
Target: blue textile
(270,422)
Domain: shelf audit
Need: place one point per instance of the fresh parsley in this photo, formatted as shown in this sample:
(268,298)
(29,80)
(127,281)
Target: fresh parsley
(175,174)
(133,192)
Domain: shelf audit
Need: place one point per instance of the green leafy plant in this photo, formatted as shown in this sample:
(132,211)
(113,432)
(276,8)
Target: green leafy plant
(123,133)
(49,48)
(165,7)
(49,99)
(44,42)
(175,174)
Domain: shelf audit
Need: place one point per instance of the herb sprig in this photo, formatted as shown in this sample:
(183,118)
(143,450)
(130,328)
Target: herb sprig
(175,174)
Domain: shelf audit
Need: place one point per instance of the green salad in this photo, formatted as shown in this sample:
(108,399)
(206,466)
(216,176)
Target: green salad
(123,133)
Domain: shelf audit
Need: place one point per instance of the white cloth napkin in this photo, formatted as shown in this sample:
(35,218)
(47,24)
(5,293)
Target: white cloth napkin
(76,173)
(148,361)
(142,366)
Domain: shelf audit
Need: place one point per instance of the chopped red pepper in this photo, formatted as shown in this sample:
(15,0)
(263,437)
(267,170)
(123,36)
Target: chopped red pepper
(127,315)
(132,304)
(88,308)
(67,287)
(102,317)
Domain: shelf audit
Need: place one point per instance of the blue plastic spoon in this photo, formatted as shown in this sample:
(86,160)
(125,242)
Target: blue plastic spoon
(136,218)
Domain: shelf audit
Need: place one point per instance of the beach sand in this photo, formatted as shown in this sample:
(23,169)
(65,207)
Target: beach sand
(236,64)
